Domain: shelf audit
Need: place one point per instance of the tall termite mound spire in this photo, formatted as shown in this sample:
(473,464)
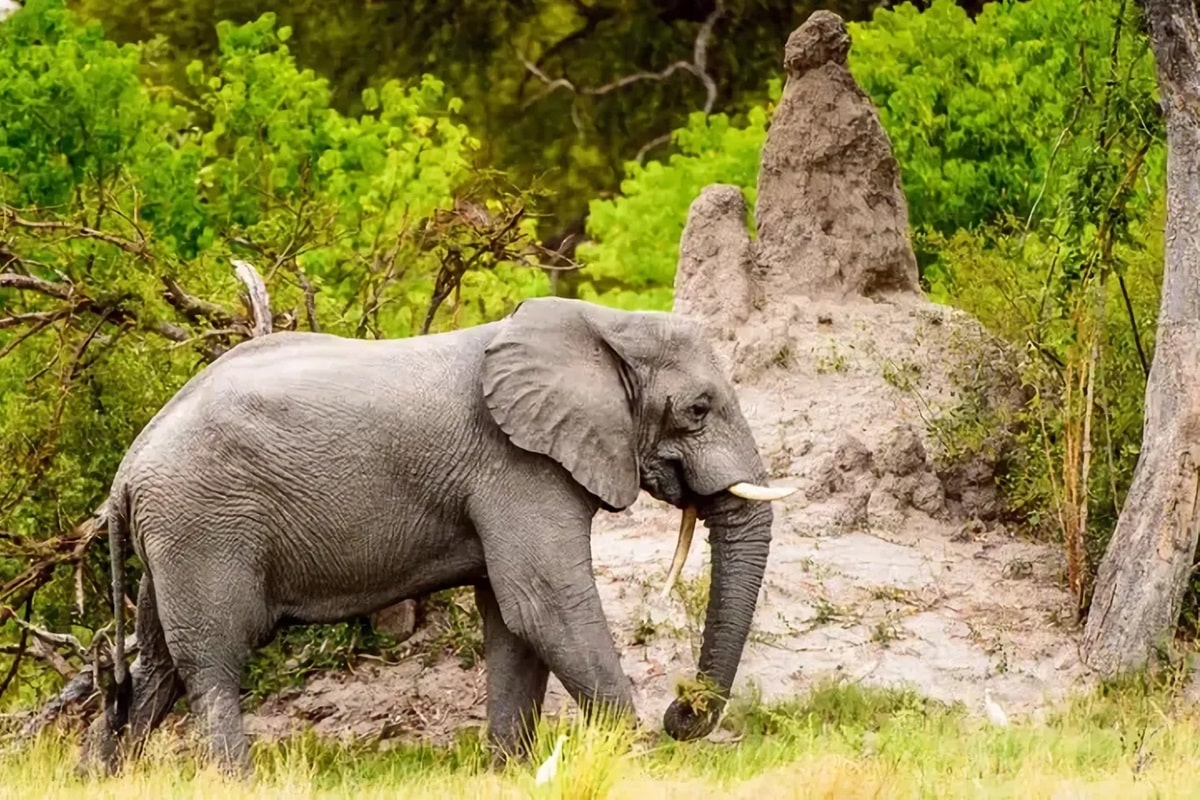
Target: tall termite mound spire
(824,306)
(832,218)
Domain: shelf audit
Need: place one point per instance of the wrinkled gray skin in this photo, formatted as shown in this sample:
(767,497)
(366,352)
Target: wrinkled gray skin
(306,478)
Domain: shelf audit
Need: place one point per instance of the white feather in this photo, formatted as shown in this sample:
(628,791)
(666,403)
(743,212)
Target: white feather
(549,767)
(994,712)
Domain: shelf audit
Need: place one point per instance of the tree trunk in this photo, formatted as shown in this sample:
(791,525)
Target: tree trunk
(1144,574)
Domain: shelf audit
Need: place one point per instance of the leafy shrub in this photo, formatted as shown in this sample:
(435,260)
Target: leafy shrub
(632,265)
(977,111)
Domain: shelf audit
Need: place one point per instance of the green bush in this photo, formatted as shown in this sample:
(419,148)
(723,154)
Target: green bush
(632,263)
(978,113)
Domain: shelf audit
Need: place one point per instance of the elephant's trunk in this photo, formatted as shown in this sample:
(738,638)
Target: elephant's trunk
(740,539)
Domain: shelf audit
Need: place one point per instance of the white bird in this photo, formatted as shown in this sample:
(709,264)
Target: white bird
(994,712)
(549,767)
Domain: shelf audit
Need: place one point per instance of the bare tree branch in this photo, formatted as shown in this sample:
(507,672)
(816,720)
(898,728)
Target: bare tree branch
(11,280)
(20,649)
(76,232)
(700,56)
(698,67)
(34,318)
(51,638)
(194,308)
(46,652)
(260,301)
(657,141)
(310,299)
(79,688)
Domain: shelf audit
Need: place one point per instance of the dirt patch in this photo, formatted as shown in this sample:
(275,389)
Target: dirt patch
(894,569)
(387,702)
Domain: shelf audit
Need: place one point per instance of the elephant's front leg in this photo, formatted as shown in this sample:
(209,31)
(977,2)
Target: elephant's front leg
(539,565)
(516,680)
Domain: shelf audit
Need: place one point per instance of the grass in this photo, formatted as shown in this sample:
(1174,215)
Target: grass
(1131,741)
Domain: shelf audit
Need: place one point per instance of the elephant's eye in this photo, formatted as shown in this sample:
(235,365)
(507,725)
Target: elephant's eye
(698,410)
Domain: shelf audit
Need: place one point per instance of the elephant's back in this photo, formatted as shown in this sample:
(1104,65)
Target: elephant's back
(289,376)
(310,421)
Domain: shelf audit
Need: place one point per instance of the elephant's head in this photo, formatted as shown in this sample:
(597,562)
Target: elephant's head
(637,400)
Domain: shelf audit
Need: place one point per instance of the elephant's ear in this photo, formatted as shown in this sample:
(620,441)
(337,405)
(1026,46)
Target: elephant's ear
(556,385)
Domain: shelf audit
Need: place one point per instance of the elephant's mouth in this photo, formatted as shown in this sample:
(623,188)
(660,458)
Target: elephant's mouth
(687,521)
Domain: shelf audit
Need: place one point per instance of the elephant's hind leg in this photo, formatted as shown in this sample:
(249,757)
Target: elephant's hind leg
(516,680)
(156,687)
(213,614)
(156,684)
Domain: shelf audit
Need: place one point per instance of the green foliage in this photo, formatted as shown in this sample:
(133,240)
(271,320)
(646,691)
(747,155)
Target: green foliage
(1003,282)
(633,263)
(576,140)
(1077,285)
(978,112)
(122,203)
(298,653)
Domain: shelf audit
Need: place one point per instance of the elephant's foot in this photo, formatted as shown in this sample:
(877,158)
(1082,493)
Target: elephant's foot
(228,746)
(516,680)
(501,755)
(683,722)
(99,754)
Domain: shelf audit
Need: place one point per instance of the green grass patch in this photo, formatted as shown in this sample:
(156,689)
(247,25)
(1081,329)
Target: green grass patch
(1134,740)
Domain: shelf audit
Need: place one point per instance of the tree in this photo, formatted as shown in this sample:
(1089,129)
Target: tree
(1145,570)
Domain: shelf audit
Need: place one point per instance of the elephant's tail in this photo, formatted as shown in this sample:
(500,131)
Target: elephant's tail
(119,694)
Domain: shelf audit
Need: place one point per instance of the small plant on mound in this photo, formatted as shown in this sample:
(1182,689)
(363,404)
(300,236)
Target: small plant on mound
(457,626)
(298,653)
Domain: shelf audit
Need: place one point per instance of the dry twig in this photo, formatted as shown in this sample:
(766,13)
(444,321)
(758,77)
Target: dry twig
(698,67)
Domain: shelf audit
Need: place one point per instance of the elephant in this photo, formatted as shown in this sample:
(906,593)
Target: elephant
(306,478)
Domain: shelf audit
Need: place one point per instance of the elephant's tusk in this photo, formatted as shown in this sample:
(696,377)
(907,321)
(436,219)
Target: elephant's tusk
(687,527)
(752,491)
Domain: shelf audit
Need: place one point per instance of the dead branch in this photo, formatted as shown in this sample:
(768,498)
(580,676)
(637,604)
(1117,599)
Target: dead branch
(74,231)
(50,637)
(32,318)
(20,650)
(193,308)
(260,301)
(698,67)
(310,299)
(225,325)
(80,686)
(44,556)
(468,237)
(11,280)
(46,652)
